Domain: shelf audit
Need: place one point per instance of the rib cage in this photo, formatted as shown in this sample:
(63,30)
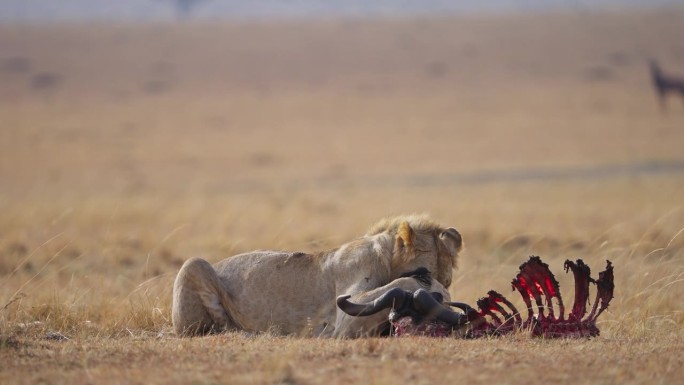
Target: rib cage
(535,282)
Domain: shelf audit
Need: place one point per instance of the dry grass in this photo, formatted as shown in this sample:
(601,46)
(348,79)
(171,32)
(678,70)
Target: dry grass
(125,150)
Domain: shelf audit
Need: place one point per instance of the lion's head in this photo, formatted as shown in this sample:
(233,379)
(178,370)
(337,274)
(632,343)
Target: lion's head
(420,242)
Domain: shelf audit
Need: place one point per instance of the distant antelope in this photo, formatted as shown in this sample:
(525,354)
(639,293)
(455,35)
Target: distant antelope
(665,83)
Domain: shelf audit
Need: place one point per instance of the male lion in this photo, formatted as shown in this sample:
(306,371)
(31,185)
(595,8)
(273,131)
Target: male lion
(294,293)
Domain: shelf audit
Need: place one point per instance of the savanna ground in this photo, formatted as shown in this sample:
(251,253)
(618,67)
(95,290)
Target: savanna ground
(125,149)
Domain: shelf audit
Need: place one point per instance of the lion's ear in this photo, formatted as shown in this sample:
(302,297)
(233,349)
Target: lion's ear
(451,239)
(404,236)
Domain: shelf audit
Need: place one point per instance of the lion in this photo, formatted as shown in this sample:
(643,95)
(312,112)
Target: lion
(295,292)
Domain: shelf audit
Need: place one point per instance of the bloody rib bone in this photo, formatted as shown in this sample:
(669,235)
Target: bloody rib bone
(581,272)
(606,286)
(535,279)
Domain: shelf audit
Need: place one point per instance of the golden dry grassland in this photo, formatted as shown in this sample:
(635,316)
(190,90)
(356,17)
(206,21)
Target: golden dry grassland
(125,149)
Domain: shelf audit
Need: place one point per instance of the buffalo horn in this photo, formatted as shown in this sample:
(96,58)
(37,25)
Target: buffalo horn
(463,306)
(427,305)
(393,298)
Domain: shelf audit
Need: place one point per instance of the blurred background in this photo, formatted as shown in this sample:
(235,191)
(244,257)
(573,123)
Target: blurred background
(135,134)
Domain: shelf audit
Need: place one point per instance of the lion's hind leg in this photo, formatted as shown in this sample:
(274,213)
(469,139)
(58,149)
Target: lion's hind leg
(198,297)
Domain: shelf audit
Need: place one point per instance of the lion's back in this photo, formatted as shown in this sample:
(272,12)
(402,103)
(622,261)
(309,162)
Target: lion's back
(276,289)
